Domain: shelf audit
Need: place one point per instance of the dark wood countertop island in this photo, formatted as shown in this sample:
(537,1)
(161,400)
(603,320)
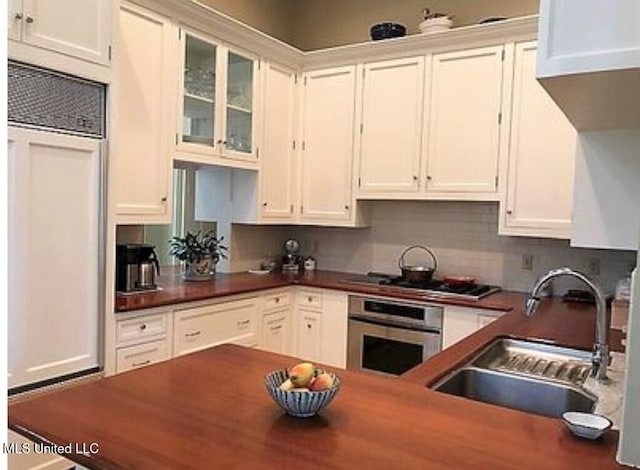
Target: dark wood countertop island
(210,410)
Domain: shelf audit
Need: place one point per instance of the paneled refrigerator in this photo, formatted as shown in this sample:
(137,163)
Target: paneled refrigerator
(55,227)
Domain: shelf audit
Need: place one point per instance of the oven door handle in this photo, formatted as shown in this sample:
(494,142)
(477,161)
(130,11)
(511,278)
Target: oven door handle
(401,326)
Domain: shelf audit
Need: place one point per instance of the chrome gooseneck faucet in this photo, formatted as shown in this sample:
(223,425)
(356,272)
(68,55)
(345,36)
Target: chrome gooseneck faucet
(600,357)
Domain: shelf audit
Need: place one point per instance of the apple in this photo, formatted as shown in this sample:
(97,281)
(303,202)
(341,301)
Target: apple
(324,381)
(301,374)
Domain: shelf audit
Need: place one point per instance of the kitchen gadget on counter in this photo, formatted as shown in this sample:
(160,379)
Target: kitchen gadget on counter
(291,261)
(136,267)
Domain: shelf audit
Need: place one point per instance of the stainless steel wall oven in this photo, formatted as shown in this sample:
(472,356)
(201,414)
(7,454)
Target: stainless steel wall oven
(391,336)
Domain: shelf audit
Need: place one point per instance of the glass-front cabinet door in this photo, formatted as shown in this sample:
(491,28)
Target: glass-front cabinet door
(239,105)
(217,116)
(199,92)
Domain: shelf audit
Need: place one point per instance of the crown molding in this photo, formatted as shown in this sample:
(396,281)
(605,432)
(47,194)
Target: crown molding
(226,29)
(231,31)
(514,29)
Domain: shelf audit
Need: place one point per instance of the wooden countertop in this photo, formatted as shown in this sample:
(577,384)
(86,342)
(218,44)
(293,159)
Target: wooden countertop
(175,290)
(210,410)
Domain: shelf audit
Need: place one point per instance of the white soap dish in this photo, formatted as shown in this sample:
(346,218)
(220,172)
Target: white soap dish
(586,425)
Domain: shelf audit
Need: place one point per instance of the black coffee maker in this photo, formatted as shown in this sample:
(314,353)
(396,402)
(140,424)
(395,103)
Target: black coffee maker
(136,267)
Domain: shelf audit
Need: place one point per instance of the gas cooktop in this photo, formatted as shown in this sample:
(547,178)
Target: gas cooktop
(434,288)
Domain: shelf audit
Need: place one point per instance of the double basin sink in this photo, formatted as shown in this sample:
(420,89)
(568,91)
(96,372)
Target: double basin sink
(534,377)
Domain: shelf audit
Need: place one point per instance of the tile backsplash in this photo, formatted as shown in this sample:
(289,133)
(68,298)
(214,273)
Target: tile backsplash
(463,236)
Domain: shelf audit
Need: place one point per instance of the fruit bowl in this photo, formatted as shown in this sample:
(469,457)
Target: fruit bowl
(301,404)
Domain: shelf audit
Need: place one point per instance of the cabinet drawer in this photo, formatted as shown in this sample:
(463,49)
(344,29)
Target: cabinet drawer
(278,300)
(310,299)
(141,327)
(141,355)
(203,327)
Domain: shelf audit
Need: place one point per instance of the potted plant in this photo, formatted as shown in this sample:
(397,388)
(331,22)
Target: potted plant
(200,253)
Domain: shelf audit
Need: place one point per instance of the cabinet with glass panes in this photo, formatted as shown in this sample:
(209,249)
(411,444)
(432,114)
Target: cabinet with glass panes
(217,112)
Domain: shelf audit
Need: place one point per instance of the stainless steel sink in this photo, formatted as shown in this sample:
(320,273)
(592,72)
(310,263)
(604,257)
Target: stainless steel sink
(516,392)
(533,377)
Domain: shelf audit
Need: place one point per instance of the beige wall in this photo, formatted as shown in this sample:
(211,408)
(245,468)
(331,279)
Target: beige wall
(326,23)
(274,17)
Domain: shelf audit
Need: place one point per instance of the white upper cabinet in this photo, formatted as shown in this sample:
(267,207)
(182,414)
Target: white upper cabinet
(328,144)
(541,158)
(391,126)
(217,117)
(276,165)
(590,49)
(70,36)
(144,96)
(463,124)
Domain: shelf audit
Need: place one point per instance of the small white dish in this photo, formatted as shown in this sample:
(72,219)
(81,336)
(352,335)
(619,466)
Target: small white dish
(586,425)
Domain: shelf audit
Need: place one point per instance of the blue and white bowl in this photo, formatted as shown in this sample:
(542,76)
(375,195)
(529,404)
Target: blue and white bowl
(299,404)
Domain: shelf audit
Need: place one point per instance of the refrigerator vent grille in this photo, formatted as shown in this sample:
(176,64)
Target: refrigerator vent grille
(38,97)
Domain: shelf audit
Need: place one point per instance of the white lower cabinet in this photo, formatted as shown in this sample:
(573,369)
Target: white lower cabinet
(321,326)
(308,335)
(24,456)
(305,322)
(142,340)
(134,357)
(460,322)
(234,321)
(276,334)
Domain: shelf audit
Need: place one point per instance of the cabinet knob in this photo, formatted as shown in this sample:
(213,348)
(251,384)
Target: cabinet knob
(509,211)
(309,325)
(29,19)
(18,16)
(143,327)
(346,207)
(415,178)
(277,300)
(309,299)
(264,204)
(219,141)
(163,199)
(428,178)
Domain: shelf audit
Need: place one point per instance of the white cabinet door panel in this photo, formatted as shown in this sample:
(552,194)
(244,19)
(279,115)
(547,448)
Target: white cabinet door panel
(80,28)
(308,337)
(54,195)
(143,154)
(276,167)
(328,143)
(392,123)
(463,138)
(541,157)
(14,19)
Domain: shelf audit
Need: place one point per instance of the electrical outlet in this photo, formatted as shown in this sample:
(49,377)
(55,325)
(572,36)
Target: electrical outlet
(527,262)
(593,267)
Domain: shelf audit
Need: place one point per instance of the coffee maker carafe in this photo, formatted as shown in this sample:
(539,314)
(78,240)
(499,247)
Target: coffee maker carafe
(136,267)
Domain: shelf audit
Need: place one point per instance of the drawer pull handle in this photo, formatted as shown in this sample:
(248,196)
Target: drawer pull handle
(243,323)
(191,335)
(309,325)
(143,327)
(275,328)
(143,363)
(277,300)
(309,299)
